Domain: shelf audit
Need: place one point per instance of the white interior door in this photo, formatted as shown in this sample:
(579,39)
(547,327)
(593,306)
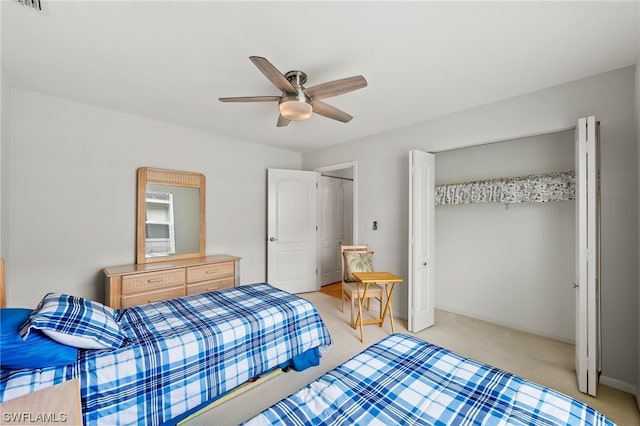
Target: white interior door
(292,259)
(587,256)
(332,227)
(421,240)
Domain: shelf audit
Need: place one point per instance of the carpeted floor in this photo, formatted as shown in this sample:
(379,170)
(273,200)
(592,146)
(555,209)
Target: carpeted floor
(542,360)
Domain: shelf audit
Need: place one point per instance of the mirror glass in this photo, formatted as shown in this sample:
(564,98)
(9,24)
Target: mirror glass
(170,215)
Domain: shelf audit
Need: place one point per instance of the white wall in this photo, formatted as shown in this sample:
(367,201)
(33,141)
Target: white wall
(383,188)
(72,198)
(5,135)
(514,264)
(637,115)
(4,110)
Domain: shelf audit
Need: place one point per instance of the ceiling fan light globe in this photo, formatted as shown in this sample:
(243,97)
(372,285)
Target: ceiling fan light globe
(295,110)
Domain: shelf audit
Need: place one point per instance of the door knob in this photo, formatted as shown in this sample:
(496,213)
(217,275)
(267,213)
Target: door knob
(273,239)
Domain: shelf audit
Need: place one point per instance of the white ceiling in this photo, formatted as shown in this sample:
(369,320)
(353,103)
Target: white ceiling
(171,60)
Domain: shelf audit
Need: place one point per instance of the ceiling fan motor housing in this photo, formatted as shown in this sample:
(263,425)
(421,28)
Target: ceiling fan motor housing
(296,78)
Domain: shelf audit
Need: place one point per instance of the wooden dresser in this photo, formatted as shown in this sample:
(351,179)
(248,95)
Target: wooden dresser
(130,285)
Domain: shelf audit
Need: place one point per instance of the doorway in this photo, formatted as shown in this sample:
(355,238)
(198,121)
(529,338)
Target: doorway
(337,217)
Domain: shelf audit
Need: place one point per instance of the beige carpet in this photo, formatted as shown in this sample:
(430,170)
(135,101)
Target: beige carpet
(539,359)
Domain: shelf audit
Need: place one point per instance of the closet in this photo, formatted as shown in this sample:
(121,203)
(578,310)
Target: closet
(512,263)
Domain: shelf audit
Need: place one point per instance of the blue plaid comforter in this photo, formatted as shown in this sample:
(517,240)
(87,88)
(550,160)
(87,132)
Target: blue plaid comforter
(403,380)
(182,353)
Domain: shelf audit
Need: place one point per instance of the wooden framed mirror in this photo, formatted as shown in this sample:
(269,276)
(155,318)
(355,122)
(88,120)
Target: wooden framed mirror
(170,215)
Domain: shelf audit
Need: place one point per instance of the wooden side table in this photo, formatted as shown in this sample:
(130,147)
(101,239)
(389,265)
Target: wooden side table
(59,404)
(388,280)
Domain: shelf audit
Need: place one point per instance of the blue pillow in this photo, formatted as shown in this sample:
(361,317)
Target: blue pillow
(37,351)
(75,321)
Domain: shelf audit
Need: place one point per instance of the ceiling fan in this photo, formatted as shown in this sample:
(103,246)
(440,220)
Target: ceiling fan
(297,102)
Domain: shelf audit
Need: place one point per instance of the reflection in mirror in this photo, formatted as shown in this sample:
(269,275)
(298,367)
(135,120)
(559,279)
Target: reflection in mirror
(170,215)
(159,232)
(172,220)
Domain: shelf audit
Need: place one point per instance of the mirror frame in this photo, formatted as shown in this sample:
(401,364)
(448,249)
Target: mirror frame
(170,178)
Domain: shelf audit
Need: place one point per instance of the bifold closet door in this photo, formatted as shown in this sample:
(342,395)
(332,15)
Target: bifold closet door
(421,240)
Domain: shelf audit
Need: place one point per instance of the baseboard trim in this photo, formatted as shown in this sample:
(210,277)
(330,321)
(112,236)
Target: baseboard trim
(607,381)
(475,316)
(620,385)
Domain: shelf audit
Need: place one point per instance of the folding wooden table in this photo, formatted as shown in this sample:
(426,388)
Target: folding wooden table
(388,280)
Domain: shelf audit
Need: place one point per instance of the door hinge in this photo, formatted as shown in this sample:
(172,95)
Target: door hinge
(585,254)
(316,271)
(584,365)
(316,228)
(586,127)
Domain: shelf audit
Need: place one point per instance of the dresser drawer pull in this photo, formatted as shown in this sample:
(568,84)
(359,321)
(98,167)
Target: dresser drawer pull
(154,280)
(213,271)
(153,300)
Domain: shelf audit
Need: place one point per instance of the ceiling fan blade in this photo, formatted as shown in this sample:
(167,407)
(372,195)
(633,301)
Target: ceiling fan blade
(336,87)
(283,122)
(272,73)
(329,111)
(251,99)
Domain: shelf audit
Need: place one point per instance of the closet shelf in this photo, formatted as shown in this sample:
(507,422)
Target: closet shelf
(539,188)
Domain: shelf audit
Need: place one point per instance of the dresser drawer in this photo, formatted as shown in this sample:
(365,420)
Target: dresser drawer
(152,296)
(150,281)
(218,284)
(209,272)
(138,284)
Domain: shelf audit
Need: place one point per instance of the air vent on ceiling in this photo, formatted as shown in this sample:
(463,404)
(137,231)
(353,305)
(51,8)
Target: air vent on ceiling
(31,3)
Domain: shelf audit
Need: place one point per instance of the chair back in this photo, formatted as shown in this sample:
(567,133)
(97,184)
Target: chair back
(363,248)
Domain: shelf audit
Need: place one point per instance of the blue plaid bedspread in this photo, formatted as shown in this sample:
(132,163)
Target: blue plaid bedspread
(182,353)
(402,380)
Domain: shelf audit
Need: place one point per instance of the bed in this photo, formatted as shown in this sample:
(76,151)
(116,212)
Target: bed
(181,354)
(404,380)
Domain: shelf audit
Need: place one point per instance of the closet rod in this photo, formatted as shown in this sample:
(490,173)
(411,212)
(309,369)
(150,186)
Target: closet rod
(338,177)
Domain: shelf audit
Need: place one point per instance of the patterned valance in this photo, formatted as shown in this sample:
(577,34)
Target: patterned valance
(532,188)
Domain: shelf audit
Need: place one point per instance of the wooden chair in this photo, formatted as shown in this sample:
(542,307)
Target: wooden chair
(349,290)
